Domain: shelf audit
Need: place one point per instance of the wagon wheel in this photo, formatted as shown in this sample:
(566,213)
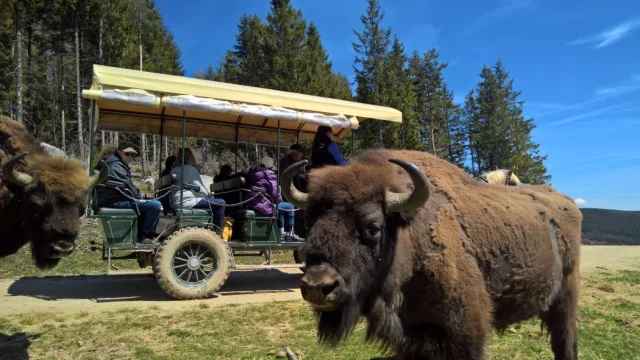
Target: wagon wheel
(193,263)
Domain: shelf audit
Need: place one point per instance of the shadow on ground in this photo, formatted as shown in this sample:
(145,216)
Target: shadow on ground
(16,346)
(143,287)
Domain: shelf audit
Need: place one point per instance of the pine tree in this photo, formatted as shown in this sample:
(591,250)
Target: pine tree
(283,45)
(499,134)
(399,94)
(371,49)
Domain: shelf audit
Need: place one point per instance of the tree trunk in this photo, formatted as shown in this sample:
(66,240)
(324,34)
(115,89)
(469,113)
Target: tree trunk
(19,85)
(62,105)
(203,152)
(449,145)
(155,160)
(433,140)
(30,94)
(81,145)
(100,32)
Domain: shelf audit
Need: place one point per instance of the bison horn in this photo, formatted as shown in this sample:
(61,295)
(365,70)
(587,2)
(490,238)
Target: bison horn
(397,202)
(100,177)
(289,190)
(11,175)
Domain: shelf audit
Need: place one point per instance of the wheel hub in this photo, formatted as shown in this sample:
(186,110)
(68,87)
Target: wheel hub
(194,263)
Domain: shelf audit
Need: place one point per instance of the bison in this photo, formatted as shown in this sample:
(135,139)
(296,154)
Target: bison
(42,197)
(433,258)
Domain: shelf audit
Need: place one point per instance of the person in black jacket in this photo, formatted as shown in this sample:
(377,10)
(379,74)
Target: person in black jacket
(295,154)
(324,150)
(120,171)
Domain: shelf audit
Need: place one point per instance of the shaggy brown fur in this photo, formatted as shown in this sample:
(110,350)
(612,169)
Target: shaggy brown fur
(437,280)
(43,214)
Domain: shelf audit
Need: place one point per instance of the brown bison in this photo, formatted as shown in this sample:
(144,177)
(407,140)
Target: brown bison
(42,197)
(433,258)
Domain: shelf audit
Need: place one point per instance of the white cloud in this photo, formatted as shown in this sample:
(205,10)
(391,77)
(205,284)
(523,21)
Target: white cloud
(632,85)
(609,36)
(509,8)
(580,202)
(609,110)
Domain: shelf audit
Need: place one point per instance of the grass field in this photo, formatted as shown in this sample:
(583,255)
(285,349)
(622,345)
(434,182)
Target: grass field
(609,321)
(87,262)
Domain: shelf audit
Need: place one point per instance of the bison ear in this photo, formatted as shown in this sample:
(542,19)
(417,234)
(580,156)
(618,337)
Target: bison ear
(402,218)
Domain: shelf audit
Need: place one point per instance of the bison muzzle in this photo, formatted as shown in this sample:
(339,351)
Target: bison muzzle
(434,259)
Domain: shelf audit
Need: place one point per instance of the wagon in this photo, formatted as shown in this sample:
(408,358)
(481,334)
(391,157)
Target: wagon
(189,259)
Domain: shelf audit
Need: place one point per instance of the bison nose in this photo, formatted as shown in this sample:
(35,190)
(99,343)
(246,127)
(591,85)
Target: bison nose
(63,247)
(319,291)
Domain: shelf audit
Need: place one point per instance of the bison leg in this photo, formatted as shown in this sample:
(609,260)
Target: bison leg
(561,319)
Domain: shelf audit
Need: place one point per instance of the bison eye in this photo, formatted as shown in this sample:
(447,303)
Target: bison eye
(371,233)
(372,230)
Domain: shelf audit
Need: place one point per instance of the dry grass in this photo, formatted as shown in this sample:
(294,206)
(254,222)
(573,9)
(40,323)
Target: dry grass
(609,329)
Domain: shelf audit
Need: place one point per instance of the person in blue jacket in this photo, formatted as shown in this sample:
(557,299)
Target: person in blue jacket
(324,150)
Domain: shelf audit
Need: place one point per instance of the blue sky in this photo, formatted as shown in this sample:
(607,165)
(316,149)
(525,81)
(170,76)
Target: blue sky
(577,64)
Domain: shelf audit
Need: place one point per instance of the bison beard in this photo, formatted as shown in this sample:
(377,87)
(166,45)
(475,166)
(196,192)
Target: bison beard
(464,258)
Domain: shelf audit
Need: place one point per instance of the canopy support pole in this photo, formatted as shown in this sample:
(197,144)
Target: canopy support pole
(91,141)
(92,133)
(235,167)
(184,139)
(161,142)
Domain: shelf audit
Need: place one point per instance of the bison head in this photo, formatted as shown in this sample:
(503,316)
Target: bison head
(353,215)
(49,204)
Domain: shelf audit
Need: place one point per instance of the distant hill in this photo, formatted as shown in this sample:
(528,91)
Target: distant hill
(610,227)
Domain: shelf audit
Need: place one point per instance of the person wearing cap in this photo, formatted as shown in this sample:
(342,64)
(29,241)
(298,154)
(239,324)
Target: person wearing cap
(324,150)
(120,171)
(295,154)
(263,177)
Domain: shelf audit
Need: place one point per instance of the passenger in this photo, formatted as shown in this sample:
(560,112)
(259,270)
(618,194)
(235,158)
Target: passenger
(168,165)
(119,170)
(324,150)
(198,200)
(295,154)
(225,173)
(296,151)
(108,150)
(265,178)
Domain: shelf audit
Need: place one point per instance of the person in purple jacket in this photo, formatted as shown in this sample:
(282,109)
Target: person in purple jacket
(263,177)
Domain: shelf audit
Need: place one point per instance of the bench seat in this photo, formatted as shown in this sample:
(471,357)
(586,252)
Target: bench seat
(203,212)
(105,211)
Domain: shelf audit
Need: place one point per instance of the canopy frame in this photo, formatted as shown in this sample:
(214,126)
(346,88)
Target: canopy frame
(135,101)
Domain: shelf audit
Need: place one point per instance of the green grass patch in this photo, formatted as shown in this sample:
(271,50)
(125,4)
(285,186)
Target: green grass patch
(83,261)
(609,328)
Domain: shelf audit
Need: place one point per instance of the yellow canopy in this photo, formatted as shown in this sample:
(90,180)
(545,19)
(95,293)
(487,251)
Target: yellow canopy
(134,101)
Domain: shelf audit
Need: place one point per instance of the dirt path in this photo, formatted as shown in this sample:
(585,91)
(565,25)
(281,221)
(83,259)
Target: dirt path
(124,290)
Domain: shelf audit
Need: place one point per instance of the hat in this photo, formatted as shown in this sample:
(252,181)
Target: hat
(296,147)
(267,161)
(126,148)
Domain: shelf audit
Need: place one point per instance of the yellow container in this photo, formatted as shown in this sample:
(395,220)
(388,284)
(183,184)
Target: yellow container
(226,230)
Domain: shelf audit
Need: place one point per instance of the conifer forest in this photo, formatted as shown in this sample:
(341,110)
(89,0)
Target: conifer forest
(48,49)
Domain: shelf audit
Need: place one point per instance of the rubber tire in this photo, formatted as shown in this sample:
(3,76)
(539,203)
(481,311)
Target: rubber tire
(163,262)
